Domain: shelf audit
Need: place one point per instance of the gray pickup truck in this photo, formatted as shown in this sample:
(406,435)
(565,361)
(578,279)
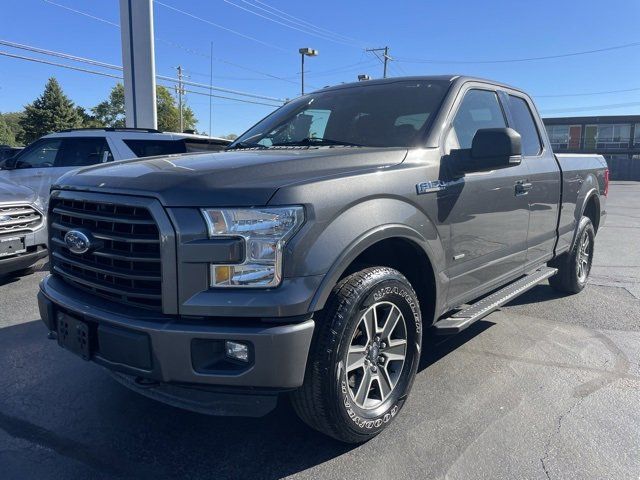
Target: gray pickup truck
(309,258)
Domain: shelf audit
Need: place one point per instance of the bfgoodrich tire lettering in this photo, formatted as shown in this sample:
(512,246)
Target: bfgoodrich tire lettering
(327,400)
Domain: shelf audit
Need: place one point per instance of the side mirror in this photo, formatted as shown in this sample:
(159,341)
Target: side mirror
(496,148)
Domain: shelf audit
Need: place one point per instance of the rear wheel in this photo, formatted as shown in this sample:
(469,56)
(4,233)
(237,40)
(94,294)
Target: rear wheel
(364,356)
(574,266)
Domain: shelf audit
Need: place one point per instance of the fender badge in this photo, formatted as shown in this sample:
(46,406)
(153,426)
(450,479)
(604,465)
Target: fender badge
(431,186)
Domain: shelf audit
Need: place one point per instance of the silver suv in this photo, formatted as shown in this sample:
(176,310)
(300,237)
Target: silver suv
(23,237)
(40,164)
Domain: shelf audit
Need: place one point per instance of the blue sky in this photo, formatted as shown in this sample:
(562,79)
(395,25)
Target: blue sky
(457,31)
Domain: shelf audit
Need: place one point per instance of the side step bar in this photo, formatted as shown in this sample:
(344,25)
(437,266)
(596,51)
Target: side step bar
(462,319)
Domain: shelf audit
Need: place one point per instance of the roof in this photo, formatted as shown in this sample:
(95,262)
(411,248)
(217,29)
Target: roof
(449,78)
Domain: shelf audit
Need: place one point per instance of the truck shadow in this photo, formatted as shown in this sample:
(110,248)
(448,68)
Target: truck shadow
(89,424)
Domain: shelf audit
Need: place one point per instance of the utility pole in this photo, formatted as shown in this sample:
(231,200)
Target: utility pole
(180,92)
(211,91)
(385,57)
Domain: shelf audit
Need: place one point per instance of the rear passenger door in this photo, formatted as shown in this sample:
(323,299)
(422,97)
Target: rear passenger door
(542,185)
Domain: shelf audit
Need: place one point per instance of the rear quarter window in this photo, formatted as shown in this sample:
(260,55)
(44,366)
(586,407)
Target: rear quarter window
(150,148)
(525,125)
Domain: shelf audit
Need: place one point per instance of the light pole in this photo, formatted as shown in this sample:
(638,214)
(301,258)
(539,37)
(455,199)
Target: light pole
(306,52)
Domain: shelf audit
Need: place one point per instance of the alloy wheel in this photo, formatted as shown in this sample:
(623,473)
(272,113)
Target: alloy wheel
(376,355)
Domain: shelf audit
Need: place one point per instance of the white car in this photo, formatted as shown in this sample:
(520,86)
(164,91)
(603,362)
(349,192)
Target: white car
(40,164)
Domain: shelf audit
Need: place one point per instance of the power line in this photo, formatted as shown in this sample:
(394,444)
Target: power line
(324,37)
(516,60)
(588,93)
(119,68)
(82,13)
(209,22)
(303,22)
(118,77)
(70,67)
(179,46)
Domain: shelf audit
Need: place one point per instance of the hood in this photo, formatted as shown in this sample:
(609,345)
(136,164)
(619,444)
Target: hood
(11,192)
(232,178)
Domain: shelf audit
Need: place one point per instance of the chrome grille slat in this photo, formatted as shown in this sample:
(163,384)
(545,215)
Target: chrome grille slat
(126,268)
(19,218)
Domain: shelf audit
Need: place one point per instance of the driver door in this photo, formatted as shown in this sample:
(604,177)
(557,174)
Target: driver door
(488,220)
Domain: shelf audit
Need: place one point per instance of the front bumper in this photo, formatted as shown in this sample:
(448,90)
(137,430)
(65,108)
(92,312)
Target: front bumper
(22,261)
(173,349)
(36,244)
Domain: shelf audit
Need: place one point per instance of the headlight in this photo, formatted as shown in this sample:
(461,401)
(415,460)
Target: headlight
(264,231)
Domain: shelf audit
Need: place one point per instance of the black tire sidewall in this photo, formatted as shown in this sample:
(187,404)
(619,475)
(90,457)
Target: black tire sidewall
(394,288)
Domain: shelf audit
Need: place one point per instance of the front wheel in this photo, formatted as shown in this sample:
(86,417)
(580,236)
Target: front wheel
(574,266)
(364,356)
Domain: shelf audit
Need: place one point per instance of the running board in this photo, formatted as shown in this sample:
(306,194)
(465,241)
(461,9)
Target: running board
(462,319)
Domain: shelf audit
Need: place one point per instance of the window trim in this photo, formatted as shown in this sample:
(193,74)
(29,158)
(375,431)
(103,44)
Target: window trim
(512,123)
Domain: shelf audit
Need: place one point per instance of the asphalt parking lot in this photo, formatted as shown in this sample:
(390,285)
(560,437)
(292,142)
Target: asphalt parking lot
(547,387)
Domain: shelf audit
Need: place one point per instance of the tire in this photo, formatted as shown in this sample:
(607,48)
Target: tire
(574,266)
(344,356)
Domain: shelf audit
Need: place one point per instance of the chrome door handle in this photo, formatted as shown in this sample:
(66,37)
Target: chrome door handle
(523,187)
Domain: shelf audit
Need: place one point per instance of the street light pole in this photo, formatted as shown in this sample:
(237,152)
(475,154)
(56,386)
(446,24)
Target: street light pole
(305,52)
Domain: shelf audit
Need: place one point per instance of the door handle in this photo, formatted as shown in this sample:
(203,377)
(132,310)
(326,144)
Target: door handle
(523,187)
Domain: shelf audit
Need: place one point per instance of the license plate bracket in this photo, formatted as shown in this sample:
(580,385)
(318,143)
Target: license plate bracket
(74,335)
(12,246)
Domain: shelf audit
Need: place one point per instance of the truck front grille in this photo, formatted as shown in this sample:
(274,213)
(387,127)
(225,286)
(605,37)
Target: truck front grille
(19,218)
(126,267)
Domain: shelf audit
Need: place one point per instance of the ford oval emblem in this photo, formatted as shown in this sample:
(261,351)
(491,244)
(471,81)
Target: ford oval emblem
(77,242)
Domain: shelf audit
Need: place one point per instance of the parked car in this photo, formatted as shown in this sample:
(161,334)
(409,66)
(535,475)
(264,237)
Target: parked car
(309,257)
(23,237)
(6,152)
(44,161)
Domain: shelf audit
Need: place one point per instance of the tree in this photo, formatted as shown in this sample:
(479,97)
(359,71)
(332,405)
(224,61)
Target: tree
(111,112)
(231,136)
(12,119)
(6,135)
(51,112)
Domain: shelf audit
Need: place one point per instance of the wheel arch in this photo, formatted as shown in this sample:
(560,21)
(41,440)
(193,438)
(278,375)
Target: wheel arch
(395,246)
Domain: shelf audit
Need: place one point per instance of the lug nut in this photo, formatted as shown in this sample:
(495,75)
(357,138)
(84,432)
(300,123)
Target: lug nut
(374,369)
(383,345)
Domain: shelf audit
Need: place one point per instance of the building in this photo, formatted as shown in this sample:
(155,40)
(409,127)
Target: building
(617,138)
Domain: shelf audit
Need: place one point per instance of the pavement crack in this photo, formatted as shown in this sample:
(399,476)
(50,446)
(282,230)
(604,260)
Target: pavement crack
(545,457)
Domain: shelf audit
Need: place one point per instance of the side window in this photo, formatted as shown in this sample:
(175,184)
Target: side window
(80,152)
(151,148)
(41,154)
(479,109)
(525,126)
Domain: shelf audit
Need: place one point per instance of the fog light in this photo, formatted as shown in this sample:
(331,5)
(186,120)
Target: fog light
(237,350)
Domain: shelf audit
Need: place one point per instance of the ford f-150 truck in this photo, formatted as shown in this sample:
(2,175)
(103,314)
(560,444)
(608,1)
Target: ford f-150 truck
(309,258)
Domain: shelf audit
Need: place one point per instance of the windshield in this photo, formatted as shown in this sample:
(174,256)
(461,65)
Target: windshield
(377,115)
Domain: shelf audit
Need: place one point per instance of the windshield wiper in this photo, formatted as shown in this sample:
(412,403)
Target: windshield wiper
(316,141)
(246,145)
